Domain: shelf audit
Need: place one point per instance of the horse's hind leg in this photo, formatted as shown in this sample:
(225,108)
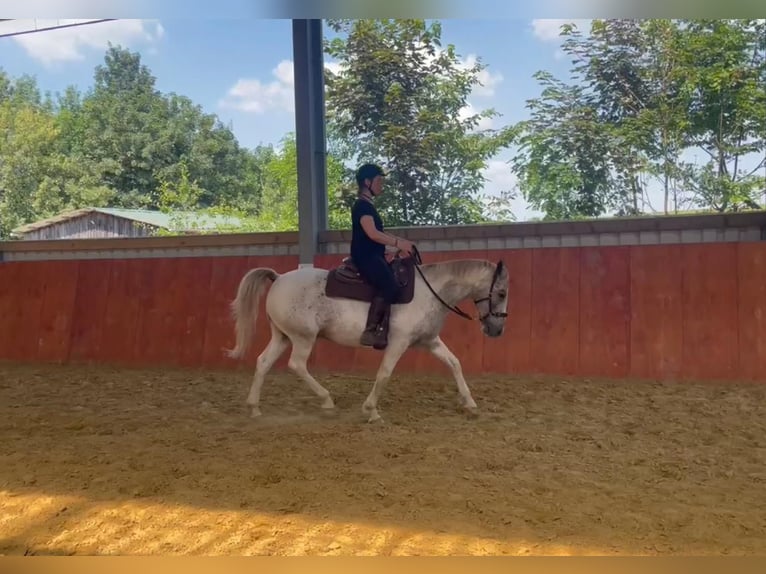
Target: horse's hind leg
(298,364)
(266,360)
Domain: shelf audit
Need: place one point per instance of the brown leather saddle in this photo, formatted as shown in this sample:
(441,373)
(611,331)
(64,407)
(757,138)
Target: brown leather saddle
(345,281)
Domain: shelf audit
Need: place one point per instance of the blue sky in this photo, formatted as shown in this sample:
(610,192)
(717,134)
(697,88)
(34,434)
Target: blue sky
(241,69)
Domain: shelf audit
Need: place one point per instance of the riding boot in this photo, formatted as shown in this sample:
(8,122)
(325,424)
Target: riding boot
(381,335)
(374,315)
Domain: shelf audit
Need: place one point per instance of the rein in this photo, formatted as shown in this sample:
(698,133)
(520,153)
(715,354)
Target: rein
(455,309)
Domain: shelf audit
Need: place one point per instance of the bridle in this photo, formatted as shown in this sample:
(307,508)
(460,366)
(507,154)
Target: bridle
(455,309)
(491,312)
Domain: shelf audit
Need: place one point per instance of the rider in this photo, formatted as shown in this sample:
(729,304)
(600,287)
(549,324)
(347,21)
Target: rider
(368,246)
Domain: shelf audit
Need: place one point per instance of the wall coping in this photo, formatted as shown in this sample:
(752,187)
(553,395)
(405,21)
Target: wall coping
(573,227)
(165,242)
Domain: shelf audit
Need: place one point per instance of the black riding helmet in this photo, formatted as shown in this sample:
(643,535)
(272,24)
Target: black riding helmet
(368,171)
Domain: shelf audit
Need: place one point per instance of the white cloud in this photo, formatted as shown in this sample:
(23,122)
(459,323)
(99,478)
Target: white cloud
(500,179)
(254,96)
(334,67)
(469,110)
(488,80)
(71,44)
(499,175)
(486,88)
(548,29)
(284,73)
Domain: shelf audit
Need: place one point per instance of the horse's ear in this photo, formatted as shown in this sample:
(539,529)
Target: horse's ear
(500,265)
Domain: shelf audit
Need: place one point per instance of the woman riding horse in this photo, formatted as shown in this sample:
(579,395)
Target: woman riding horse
(368,248)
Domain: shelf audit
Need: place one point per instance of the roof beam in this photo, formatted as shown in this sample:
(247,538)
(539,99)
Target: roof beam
(10,27)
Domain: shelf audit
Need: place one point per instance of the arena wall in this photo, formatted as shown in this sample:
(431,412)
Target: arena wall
(667,298)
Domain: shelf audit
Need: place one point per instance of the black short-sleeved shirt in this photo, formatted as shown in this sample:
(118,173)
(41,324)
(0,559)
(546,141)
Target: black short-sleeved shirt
(362,247)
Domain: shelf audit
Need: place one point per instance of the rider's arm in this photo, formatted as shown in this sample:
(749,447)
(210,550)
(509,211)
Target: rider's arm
(368,224)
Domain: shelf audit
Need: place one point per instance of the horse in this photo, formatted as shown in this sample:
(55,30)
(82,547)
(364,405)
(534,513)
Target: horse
(300,310)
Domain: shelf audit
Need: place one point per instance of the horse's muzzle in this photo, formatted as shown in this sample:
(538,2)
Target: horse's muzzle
(492,331)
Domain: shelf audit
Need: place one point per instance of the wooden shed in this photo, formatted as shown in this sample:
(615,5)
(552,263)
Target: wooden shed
(100,222)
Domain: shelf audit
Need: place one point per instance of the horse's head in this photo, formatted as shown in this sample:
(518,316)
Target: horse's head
(492,307)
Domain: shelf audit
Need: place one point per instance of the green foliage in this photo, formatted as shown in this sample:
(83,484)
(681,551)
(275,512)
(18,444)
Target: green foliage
(37,177)
(642,94)
(28,160)
(562,163)
(279,200)
(124,144)
(399,99)
(121,144)
(727,68)
(182,194)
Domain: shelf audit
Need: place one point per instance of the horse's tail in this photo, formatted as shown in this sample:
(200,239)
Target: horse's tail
(244,308)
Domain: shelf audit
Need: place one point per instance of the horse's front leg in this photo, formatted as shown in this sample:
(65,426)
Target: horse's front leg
(396,348)
(442,352)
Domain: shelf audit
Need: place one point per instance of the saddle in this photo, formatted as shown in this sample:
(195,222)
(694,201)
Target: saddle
(345,281)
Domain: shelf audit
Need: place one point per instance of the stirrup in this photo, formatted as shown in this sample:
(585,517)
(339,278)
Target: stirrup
(381,341)
(368,338)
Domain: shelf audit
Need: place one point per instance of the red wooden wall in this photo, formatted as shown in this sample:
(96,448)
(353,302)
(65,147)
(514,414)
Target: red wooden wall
(660,312)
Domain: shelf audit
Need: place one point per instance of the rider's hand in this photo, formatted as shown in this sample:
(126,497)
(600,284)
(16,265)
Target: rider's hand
(406,246)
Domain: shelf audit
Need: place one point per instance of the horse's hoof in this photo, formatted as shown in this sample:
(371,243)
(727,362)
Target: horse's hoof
(371,414)
(328,403)
(467,403)
(255,412)
(472,412)
(375,419)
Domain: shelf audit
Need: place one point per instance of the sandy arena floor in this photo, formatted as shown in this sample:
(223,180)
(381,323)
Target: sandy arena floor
(107,461)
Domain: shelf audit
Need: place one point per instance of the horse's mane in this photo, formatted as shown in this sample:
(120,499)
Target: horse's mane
(456,267)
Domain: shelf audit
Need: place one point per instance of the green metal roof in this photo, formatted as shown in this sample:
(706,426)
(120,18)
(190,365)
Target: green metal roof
(177,221)
(174,221)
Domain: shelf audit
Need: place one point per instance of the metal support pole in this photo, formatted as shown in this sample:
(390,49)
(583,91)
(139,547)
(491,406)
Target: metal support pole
(310,137)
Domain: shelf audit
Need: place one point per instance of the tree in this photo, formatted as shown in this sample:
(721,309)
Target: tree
(400,99)
(643,94)
(563,158)
(122,144)
(726,60)
(138,137)
(27,153)
(123,118)
(278,207)
(37,177)
(635,71)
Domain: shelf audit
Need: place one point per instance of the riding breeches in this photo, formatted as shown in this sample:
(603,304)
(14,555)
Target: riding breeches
(378,272)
